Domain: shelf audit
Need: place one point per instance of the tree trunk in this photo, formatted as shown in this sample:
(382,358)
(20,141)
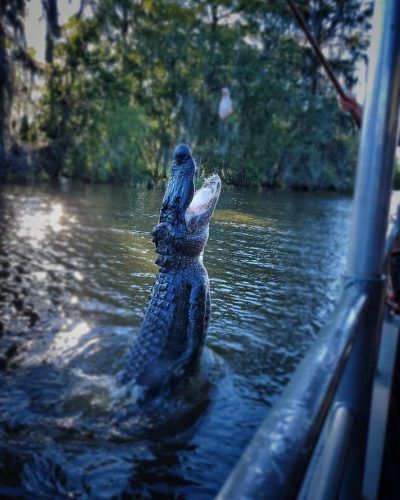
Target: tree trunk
(53,30)
(5,93)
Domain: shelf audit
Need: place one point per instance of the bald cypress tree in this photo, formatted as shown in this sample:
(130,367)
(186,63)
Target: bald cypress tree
(15,60)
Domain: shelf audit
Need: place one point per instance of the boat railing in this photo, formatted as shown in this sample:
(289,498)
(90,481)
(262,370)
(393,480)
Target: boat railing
(313,442)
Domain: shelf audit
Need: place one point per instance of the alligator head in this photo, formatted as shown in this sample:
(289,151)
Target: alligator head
(180,188)
(185,213)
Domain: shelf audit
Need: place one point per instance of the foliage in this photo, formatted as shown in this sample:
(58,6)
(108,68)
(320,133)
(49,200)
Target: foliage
(112,146)
(125,81)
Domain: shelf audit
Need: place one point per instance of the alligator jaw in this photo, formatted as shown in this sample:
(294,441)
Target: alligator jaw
(202,206)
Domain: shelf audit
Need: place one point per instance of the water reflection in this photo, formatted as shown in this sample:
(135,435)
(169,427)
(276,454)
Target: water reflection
(38,219)
(237,218)
(76,268)
(67,342)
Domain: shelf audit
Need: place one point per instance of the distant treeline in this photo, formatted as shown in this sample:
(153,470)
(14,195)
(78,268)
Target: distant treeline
(124,81)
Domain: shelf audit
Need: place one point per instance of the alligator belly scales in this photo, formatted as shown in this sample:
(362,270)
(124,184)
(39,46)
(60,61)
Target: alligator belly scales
(170,339)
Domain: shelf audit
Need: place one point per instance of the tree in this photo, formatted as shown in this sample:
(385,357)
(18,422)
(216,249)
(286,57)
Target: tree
(131,79)
(16,66)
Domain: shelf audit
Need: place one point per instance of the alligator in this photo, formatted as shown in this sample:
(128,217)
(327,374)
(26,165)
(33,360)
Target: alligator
(168,345)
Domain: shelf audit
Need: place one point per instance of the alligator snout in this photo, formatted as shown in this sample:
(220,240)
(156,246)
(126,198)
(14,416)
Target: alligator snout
(182,153)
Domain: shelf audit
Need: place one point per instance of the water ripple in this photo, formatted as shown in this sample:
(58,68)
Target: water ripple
(76,266)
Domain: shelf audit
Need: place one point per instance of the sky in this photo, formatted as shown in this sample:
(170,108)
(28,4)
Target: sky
(35,26)
(36,29)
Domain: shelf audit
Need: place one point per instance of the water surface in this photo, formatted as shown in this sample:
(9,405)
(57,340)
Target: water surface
(76,266)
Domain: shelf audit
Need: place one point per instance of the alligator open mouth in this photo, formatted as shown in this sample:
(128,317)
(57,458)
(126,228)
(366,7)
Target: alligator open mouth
(204,201)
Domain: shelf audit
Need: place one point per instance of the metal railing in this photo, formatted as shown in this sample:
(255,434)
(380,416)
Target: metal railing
(277,458)
(312,444)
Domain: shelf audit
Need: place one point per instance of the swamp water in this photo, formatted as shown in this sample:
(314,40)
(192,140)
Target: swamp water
(76,267)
